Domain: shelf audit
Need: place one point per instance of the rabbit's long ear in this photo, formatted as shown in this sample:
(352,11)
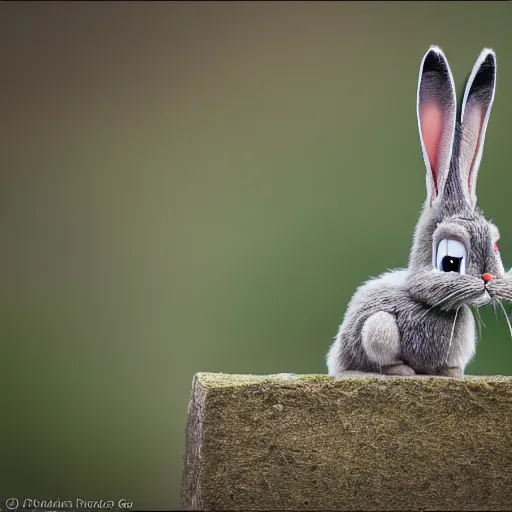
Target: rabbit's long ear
(437,109)
(475,112)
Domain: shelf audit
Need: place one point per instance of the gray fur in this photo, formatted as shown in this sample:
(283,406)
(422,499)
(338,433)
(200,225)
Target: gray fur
(381,339)
(419,320)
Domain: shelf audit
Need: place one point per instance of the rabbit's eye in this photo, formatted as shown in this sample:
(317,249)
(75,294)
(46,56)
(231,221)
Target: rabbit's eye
(451,256)
(451,264)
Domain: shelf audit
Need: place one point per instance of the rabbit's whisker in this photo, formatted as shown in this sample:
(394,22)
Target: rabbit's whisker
(466,293)
(450,296)
(480,317)
(453,331)
(506,317)
(479,322)
(457,295)
(495,310)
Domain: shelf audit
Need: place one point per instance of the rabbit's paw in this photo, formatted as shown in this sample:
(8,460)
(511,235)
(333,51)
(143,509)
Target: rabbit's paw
(452,371)
(398,369)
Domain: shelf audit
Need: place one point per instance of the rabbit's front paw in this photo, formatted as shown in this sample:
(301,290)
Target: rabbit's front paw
(398,369)
(452,371)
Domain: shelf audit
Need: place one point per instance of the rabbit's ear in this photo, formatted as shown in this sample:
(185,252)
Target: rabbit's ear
(437,109)
(475,112)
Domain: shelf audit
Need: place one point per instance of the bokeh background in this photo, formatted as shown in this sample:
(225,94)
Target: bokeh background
(201,187)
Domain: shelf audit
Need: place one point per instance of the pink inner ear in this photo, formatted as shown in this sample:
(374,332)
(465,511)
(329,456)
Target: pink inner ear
(431,119)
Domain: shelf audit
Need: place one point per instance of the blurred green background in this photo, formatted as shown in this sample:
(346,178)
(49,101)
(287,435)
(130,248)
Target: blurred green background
(201,187)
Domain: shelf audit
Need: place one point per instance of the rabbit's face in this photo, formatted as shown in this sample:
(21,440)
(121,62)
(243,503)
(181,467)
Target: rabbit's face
(465,261)
(467,245)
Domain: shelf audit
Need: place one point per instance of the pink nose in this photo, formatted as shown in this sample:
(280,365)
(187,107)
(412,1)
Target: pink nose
(487,277)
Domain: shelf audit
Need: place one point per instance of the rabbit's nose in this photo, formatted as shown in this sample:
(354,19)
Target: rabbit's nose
(487,277)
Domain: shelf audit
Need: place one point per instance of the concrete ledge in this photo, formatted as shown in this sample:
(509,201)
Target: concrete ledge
(363,442)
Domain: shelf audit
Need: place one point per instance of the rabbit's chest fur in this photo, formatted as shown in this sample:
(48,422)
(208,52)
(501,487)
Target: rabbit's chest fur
(424,334)
(428,336)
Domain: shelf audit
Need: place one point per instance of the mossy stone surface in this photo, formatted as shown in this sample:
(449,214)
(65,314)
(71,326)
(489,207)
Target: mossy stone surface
(362,442)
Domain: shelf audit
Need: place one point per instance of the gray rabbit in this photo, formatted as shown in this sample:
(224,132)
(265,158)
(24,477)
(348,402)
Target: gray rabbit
(418,320)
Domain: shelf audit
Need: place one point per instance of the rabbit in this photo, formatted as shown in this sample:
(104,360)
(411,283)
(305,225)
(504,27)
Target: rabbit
(418,320)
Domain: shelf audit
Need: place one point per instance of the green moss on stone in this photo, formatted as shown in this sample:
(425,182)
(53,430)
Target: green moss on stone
(363,442)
